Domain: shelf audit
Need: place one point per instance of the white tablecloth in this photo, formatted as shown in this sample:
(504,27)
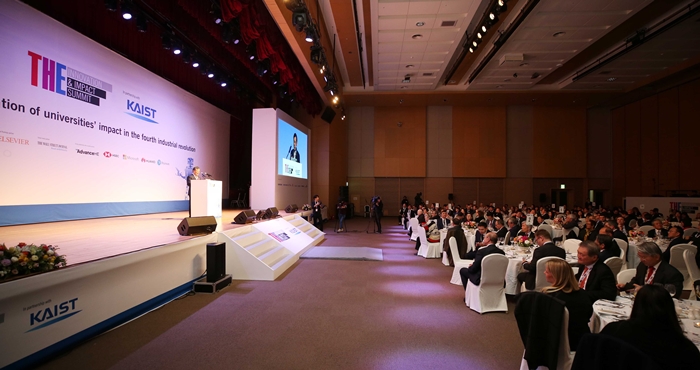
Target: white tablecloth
(515,261)
(605,312)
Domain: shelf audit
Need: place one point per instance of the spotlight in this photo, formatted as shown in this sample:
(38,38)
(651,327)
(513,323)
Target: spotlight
(195,64)
(332,93)
(293,5)
(475,44)
(325,78)
(471,50)
(501,6)
(478,34)
(111,5)
(216,14)
(250,49)
(493,17)
(299,20)
(223,84)
(230,34)
(210,72)
(141,23)
(177,49)
(167,41)
(484,28)
(310,37)
(261,68)
(275,79)
(342,118)
(127,12)
(316,54)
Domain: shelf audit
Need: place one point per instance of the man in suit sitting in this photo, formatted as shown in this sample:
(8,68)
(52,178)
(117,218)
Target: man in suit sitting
(588,232)
(594,276)
(513,228)
(443,221)
(616,233)
(546,249)
(608,247)
(652,270)
(526,230)
(479,240)
(501,231)
(675,233)
(657,231)
(473,272)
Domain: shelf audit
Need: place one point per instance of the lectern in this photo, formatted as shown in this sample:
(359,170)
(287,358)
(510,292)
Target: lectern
(206,198)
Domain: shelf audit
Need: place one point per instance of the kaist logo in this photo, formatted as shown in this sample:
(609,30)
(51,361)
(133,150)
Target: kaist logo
(51,315)
(66,81)
(140,111)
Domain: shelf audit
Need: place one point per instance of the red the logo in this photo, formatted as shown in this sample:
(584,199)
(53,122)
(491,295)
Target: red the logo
(107,154)
(143,160)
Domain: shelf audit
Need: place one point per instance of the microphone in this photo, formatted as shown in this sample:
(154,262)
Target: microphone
(288,152)
(206,174)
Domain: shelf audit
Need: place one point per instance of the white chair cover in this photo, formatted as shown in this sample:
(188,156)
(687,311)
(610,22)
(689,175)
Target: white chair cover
(645,228)
(490,294)
(615,264)
(623,247)
(678,262)
(549,229)
(548,221)
(566,357)
(689,232)
(506,240)
(693,270)
(571,246)
(540,279)
(427,250)
(413,224)
(624,276)
(459,262)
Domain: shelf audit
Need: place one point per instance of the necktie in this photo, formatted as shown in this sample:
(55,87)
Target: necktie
(584,277)
(650,272)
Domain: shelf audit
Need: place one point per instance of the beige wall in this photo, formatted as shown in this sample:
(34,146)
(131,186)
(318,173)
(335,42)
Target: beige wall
(400,141)
(479,141)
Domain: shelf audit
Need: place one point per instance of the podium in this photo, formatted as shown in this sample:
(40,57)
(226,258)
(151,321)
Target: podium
(206,199)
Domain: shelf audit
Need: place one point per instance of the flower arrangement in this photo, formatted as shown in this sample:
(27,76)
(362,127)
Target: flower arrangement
(522,241)
(25,259)
(470,225)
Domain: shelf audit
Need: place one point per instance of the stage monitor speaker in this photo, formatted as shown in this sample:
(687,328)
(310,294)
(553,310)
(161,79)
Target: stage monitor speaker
(345,193)
(245,217)
(292,208)
(197,225)
(328,115)
(271,212)
(260,215)
(216,261)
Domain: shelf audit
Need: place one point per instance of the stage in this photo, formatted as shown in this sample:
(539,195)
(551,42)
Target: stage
(95,239)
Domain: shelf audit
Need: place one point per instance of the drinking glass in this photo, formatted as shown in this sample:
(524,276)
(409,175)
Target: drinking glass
(697,292)
(501,240)
(671,289)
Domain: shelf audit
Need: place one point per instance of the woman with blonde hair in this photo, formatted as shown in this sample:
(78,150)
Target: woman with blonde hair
(566,288)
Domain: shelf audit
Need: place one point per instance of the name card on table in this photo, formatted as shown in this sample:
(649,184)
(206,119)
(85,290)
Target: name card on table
(530,219)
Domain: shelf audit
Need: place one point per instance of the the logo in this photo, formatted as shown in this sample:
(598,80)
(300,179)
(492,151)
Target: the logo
(66,81)
(159,162)
(50,315)
(80,151)
(144,160)
(130,158)
(107,154)
(13,140)
(140,111)
(53,146)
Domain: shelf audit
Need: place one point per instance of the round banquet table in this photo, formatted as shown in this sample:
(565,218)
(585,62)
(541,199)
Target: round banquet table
(515,262)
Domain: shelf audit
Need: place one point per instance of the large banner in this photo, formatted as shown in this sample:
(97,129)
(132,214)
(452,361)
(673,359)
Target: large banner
(80,124)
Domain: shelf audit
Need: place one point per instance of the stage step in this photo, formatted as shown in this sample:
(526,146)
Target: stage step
(274,256)
(260,248)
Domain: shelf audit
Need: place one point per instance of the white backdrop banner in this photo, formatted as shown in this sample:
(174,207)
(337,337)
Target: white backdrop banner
(81,125)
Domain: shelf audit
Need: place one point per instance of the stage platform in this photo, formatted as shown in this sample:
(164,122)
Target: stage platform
(95,239)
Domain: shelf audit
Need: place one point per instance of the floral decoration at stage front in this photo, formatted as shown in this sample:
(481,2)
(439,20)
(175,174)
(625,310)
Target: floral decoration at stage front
(28,259)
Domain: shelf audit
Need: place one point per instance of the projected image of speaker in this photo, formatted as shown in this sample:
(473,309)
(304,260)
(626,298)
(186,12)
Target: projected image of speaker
(244,217)
(271,212)
(328,115)
(292,208)
(197,225)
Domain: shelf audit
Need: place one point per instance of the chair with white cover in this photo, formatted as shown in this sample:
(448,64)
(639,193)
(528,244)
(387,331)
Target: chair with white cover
(458,261)
(565,358)
(645,229)
(549,229)
(548,221)
(678,262)
(687,233)
(622,255)
(413,224)
(624,276)
(427,249)
(693,269)
(540,279)
(615,264)
(623,247)
(571,246)
(490,294)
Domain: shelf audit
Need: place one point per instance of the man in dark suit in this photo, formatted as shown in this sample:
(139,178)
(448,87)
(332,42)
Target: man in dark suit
(526,230)
(608,247)
(546,249)
(473,272)
(378,208)
(193,176)
(616,233)
(652,270)
(588,232)
(316,213)
(675,233)
(594,276)
(294,153)
(443,221)
(490,221)
(658,230)
(479,240)
(513,228)
(500,230)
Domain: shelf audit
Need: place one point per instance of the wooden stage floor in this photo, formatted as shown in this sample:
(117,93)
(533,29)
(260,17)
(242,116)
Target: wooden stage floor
(89,240)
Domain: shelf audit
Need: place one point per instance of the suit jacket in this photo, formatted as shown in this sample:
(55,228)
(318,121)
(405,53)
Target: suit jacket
(580,312)
(502,232)
(530,235)
(613,251)
(600,283)
(620,235)
(475,269)
(666,274)
(189,183)
(294,155)
(666,255)
(441,225)
(570,225)
(652,233)
(546,250)
(513,233)
(599,225)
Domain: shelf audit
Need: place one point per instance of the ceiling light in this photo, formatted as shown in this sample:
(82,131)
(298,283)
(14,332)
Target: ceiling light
(126,10)
(332,93)
(535,75)
(417,36)
(316,54)
(294,5)
(210,74)
(611,79)
(420,24)
(524,64)
(177,50)
(299,20)
(560,33)
(141,23)
(195,64)
(223,83)
(342,118)
(404,87)
(111,5)
(493,17)
(309,35)
(471,50)
(484,28)
(409,66)
(250,49)
(478,34)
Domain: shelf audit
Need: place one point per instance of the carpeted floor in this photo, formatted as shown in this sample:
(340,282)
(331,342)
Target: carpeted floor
(401,313)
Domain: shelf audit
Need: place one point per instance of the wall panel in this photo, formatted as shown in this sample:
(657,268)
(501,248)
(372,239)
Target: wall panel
(388,189)
(465,190)
(400,151)
(618,161)
(689,135)
(439,152)
(517,190)
(668,141)
(491,191)
(633,175)
(559,142)
(649,145)
(479,141)
(361,190)
(437,189)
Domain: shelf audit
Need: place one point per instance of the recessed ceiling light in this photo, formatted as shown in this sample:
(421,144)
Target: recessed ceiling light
(483,29)
(478,34)
(506,80)
(409,66)
(558,34)
(611,79)
(499,86)
(559,65)
(420,24)
(524,64)
(471,50)
(404,87)
(417,36)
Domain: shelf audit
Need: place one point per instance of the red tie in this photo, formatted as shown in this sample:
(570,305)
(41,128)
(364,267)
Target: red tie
(582,283)
(649,273)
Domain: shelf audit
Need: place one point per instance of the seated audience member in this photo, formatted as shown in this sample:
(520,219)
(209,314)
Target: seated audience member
(588,232)
(443,221)
(653,328)
(479,240)
(490,221)
(565,287)
(594,276)
(653,270)
(621,226)
(473,272)
(500,230)
(569,224)
(658,230)
(526,230)
(616,233)
(513,228)
(607,247)
(457,232)
(546,249)
(675,233)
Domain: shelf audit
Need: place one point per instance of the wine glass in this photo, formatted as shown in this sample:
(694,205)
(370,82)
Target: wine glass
(671,289)
(501,241)
(697,292)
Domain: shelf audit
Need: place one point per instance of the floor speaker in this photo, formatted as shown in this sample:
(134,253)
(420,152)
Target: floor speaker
(216,261)
(260,215)
(328,115)
(292,208)
(246,216)
(197,225)
(271,212)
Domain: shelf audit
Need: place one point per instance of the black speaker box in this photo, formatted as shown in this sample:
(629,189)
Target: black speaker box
(328,115)
(260,215)
(245,217)
(345,193)
(216,261)
(197,225)
(271,212)
(292,208)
